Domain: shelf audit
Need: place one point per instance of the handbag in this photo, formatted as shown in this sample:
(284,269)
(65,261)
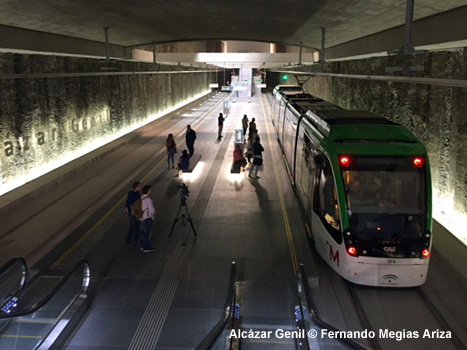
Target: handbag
(258,161)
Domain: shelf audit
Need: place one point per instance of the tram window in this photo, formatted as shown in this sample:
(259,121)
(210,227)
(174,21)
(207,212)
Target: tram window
(289,135)
(385,198)
(326,204)
(306,150)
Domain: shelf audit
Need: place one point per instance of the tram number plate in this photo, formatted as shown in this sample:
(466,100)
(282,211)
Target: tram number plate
(391,261)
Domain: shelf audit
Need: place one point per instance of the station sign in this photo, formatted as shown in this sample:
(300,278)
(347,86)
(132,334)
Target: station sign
(238,135)
(239,88)
(214,85)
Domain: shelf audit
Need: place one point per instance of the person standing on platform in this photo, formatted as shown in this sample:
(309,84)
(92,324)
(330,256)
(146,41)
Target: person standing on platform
(183,162)
(257,157)
(190,138)
(132,234)
(249,147)
(220,123)
(244,125)
(171,147)
(252,127)
(147,221)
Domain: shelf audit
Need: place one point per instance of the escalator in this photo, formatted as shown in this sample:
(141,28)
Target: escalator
(271,316)
(42,312)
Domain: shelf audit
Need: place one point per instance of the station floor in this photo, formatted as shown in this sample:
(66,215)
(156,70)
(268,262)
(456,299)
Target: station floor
(172,297)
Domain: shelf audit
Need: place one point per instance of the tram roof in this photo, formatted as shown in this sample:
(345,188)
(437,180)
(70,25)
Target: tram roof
(357,126)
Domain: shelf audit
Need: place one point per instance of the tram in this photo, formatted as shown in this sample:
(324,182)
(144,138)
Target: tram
(364,186)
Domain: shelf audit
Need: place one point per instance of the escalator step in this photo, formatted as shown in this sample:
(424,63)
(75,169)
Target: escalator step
(265,304)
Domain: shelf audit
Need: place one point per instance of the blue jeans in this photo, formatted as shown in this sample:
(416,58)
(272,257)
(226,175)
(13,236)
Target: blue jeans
(170,157)
(146,231)
(132,233)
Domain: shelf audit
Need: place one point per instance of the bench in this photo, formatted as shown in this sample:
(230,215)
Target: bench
(235,169)
(193,162)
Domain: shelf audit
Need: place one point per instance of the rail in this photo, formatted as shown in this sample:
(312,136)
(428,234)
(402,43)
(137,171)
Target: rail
(461,83)
(94,74)
(229,308)
(65,322)
(303,287)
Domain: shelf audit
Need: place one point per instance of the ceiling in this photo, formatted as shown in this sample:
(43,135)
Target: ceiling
(134,22)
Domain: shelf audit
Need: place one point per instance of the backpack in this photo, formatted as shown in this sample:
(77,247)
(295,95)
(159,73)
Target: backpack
(137,209)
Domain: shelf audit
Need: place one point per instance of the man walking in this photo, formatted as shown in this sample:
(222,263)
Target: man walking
(252,127)
(257,157)
(147,221)
(220,123)
(132,234)
(190,138)
(244,125)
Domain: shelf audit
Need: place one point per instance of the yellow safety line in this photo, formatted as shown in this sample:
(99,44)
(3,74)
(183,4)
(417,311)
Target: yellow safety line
(120,202)
(284,210)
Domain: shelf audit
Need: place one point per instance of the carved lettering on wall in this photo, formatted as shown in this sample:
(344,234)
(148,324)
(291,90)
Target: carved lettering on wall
(25,142)
(40,136)
(8,148)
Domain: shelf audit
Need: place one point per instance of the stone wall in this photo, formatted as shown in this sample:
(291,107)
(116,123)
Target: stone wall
(48,121)
(435,114)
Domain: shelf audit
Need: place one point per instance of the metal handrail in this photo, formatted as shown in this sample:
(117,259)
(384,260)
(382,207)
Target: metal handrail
(461,83)
(24,266)
(229,306)
(94,74)
(84,289)
(314,313)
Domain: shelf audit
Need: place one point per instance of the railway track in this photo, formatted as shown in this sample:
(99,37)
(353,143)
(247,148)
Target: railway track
(411,315)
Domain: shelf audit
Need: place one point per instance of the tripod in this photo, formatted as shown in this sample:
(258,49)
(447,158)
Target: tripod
(184,217)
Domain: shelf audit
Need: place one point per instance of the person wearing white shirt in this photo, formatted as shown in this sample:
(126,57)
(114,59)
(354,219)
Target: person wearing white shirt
(147,220)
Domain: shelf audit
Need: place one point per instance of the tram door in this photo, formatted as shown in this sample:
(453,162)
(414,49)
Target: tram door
(306,173)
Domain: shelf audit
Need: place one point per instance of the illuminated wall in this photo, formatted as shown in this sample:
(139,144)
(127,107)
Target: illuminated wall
(435,114)
(46,122)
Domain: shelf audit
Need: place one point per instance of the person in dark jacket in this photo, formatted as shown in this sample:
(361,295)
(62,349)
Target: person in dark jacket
(132,234)
(257,157)
(190,138)
(220,123)
(183,162)
(244,125)
(252,126)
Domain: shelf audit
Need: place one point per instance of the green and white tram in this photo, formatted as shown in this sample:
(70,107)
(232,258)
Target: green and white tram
(365,188)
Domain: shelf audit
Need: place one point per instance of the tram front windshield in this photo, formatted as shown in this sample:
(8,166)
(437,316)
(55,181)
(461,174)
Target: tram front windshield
(386,199)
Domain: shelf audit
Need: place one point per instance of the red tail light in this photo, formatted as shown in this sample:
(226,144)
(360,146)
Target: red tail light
(418,162)
(425,253)
(352,251)
(344,161)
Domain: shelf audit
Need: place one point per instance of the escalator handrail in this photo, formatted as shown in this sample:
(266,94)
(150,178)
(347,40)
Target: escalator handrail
(232,281)
(84,289)
(10,263)
(229,305)
(314,313)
